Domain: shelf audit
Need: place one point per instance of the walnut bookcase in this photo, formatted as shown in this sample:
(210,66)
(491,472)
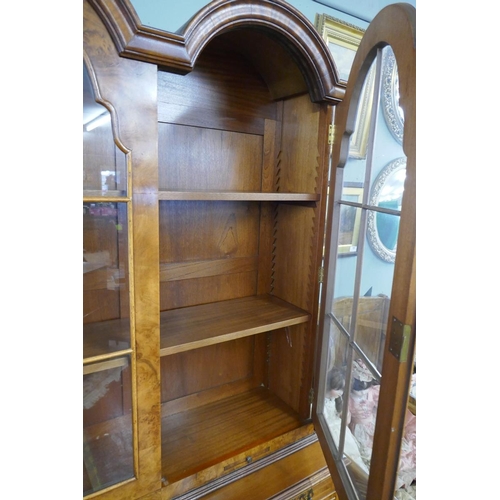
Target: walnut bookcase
(228,168)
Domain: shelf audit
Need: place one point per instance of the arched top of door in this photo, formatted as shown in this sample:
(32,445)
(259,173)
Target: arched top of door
(394,25)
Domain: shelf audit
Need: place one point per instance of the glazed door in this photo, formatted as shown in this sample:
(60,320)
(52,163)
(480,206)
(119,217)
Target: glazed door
(367,318)
(121,457)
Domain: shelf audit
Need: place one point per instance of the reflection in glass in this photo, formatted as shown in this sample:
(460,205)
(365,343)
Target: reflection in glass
(358,142)
(371,324)
(406,482)
(363,405)
(393,112)
(105,278)
(338,343)
(335,401)
(107,424)
(350,218)
(108,451)
(104,164)
(335,414)
(387,228)
(386,194)
(406,485)
(357,308)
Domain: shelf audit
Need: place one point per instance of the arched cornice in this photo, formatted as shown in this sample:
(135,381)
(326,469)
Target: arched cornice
(178,52)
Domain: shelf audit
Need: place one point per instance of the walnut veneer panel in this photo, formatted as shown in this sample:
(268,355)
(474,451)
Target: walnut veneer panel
(300,475)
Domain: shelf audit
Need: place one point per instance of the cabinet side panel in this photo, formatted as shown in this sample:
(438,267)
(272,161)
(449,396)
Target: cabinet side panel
(297,227)
(300,156)
(294,276)
(286,354)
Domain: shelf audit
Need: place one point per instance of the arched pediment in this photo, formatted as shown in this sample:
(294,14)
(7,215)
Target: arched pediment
(278,20)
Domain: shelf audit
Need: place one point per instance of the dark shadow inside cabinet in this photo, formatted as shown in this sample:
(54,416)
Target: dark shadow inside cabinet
(240,185)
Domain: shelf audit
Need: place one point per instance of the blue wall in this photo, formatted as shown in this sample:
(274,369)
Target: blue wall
(171,15)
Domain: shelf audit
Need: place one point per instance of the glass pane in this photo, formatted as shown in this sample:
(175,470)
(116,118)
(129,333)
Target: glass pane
(334,397)
(336,410)
(393,112)
(363,130)
(337,346)
(104,164)
(386,194)
(406,483)
(107,424)
(350,219)
(365,233)
(363,405)
(106,324)
(371,325)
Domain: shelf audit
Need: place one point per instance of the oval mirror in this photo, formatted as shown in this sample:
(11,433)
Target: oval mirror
(393,113)
(387,195)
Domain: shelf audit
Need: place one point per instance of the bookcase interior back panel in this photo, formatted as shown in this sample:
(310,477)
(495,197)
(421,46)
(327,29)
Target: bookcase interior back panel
(208,251)
(230,153)
(233,366)
(224,91)
(205,159)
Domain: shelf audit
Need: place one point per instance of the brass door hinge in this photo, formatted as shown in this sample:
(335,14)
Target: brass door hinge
(311,401)
(321,274)
(399,341)
(311,395)
(331,133)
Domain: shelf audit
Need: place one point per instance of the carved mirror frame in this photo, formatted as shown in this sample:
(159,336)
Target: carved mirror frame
(376,244)
(393,113)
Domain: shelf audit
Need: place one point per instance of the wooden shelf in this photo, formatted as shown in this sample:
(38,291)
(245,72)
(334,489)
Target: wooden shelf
(207,324)
(199,438)
(108,364)
(234,196)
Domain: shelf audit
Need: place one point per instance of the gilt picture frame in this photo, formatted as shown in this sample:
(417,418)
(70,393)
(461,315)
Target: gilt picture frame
(343,39)
(350,219)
